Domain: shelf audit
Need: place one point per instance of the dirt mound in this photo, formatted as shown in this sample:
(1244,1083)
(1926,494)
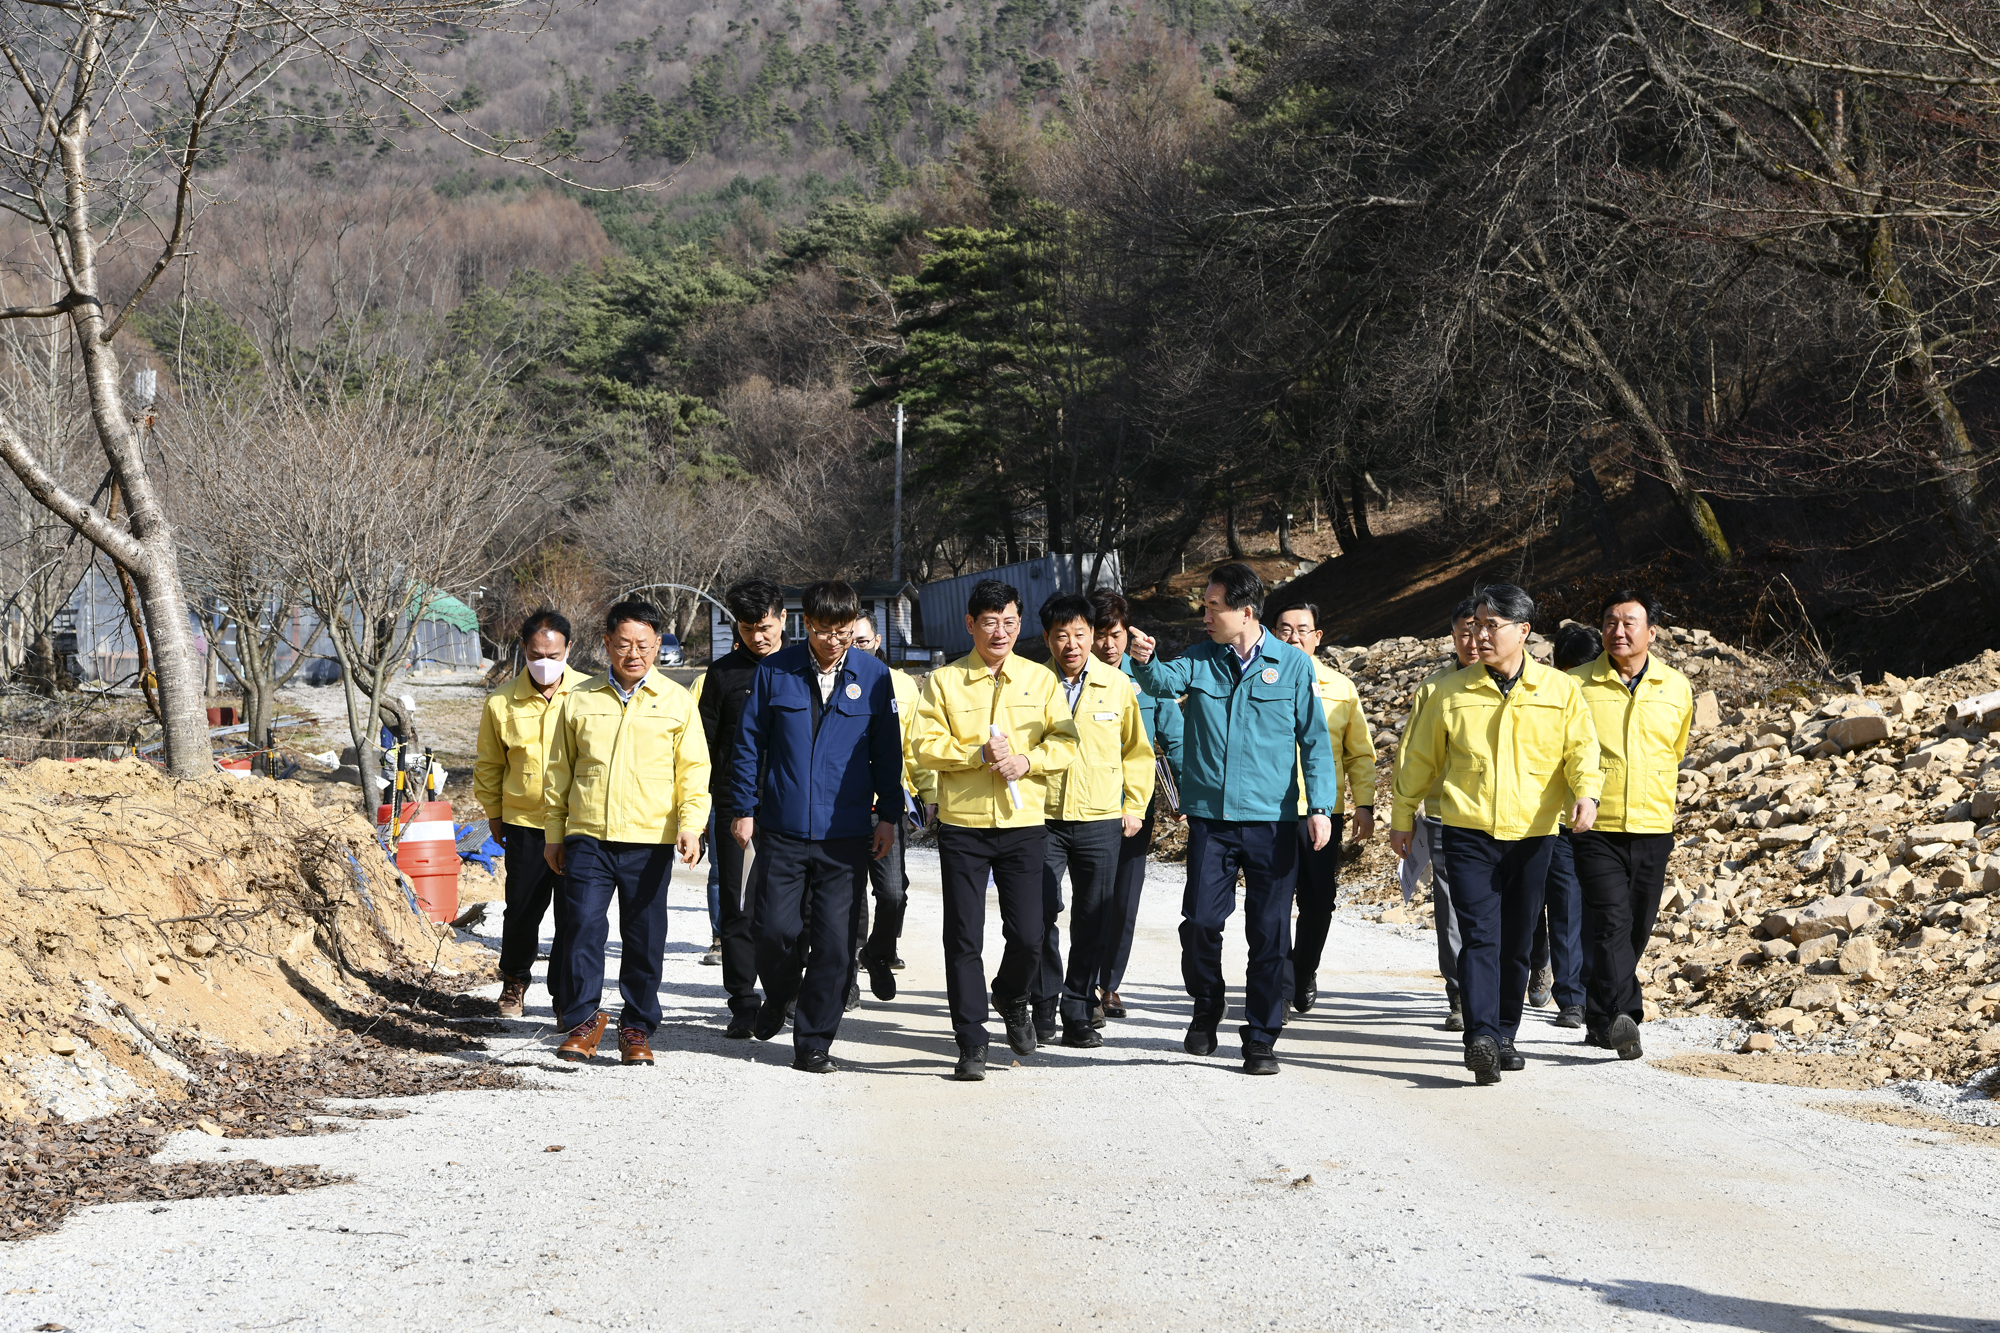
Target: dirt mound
(1836,860)
(145,921)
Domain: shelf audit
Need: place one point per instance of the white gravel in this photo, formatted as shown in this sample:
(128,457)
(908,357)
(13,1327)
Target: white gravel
(1132,1187)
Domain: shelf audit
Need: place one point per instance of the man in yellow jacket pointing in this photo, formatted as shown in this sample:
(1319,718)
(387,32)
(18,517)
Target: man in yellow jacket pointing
(1512,741)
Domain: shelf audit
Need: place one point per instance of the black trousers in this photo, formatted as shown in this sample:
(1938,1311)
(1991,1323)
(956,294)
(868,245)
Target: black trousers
(1088,850)
(1623,875)
(531,888)
(1559,934)
(1267,854)
(889,884)
(736,899)
(801,881)
(635,875)
(1318,889)
(1014,858)
(1496,890)
(1126,890)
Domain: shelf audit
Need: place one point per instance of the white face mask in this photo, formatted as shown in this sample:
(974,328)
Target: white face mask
(545,670)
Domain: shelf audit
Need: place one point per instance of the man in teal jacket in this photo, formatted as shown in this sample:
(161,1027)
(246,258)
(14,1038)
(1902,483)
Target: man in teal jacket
(1111,620)
(1250,707)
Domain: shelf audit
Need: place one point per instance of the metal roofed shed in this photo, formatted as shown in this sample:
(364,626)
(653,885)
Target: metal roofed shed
(942,604)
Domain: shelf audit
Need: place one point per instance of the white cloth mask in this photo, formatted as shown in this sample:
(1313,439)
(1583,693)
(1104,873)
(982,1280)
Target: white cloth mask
(545,670)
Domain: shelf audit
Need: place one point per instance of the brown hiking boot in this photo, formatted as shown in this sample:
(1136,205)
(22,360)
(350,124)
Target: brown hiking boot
(632,1047)
(513,997)
(583,1038)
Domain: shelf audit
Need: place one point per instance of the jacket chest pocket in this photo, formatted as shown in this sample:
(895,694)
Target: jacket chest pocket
(1538,735)
(1270,701)
(1657,729)
(968,723)
(1024,721)
(654,737)
(521,728)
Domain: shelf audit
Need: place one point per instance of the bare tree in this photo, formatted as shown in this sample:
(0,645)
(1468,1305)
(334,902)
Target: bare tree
(650,531)
(1852,140)
(106,114)
(381,503)
(41,391)
(233,557)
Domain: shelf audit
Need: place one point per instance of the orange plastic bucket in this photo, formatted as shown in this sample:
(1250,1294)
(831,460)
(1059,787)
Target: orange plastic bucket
(428,854)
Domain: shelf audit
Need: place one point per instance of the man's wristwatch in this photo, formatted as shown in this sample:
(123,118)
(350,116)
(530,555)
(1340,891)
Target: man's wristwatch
(1320,810)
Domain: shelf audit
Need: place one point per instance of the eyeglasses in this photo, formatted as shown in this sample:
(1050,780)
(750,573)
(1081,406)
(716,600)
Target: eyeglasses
(837,637)
(992,624)
(1486,629)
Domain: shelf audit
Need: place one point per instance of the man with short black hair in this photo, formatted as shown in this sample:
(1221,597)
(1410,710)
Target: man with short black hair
(816,781)
(1643,711)
(1512,741)
(627,786)
(1254,727)
(514,731)
(1354,751)
(1111,619)
(993,727)
(1094,806)
(757,611)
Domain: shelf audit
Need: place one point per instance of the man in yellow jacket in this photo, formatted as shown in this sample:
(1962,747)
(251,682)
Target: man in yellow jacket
(993,728)
(1093,806)
(1512,740)
(1354,751)
(1643,710)
(514,731)
(888,876)
(627,786)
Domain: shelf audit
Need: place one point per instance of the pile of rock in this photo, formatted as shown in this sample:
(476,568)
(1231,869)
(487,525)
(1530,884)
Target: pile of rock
(1836,862)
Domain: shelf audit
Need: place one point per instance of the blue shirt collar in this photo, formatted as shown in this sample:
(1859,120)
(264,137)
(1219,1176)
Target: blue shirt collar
(1244,660)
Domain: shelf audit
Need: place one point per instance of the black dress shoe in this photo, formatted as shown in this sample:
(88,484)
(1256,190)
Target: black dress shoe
(1045,1021)
(1592,1037)
(1482,1057)
(1259,1058)
(1510,1059)
(897,964)
(1455,1020)
(1084,1038)
(1623,1037)
(881,977)
(971,1064)
(853,996)
(1020,1026)
(770,1020)
(1569,1016)
(741,1026)
(1305,995)
(813,1062)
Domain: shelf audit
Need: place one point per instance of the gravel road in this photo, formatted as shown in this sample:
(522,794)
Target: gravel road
(1369,1186)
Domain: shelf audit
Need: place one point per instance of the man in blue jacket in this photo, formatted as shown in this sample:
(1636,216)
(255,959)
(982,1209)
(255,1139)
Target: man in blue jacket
(1250,708)
(821,727)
